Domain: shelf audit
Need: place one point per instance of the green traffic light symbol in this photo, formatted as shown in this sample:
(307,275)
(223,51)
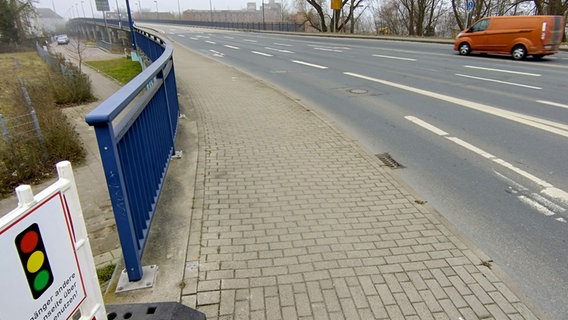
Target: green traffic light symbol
(35,263)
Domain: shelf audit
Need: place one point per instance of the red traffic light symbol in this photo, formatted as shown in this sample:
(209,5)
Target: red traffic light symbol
(33,257)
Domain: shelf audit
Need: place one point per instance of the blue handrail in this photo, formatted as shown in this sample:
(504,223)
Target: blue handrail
(136,129)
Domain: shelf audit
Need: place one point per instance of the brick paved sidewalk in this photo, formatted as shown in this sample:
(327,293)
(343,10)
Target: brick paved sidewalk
(293,219)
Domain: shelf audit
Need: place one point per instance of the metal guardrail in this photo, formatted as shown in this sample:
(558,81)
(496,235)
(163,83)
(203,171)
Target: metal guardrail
(249,26)
(136,129)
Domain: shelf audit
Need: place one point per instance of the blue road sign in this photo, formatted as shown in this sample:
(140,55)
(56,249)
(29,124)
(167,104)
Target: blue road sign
(469,5)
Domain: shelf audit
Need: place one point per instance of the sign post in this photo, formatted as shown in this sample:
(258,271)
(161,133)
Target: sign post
(335,6)
(469,8)
(47,269)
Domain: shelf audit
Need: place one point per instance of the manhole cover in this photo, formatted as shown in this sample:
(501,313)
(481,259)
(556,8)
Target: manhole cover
(358,91)
(389,161)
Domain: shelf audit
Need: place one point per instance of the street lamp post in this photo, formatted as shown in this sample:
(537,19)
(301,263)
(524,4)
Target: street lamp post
(93,14)
(157,11)
(131,25)
(118,15)
(179,11)
(83,7)
(210,11)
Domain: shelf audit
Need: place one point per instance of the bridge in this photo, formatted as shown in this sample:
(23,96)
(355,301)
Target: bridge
(114,34)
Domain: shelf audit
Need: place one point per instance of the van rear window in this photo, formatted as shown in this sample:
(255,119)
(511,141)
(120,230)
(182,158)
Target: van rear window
(557,24)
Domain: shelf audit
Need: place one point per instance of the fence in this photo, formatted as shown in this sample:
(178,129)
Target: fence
(55,63)
(248,26)
(22,127)
(136,129)
(52,61)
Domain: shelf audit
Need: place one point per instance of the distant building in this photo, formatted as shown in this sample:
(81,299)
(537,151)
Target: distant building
(270,13)
(251,6)
(50,21)
(152,15)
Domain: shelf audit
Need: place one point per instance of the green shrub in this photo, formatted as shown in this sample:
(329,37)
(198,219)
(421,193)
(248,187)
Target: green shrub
(24,159)
(105,273)
(70,86)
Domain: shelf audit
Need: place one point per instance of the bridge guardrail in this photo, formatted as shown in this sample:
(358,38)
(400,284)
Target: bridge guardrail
(136,129)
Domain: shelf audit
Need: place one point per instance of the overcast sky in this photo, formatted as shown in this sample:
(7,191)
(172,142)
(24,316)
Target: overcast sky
(72,8)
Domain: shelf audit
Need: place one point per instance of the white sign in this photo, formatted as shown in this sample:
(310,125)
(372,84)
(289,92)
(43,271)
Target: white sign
(102,5)
(40,276)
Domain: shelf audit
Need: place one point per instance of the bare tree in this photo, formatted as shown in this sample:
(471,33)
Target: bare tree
(551,7)
(388,19)
(15,17)
(319,15)
(316,19)
(421,15)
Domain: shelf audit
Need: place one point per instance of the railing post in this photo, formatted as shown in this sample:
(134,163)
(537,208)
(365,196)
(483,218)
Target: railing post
(119,200)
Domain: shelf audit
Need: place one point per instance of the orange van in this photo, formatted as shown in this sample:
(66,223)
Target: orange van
(518,36)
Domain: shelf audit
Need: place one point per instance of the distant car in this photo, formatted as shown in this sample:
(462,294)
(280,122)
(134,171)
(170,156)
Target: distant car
(62,39)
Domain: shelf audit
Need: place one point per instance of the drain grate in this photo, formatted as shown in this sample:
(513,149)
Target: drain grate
(389,161)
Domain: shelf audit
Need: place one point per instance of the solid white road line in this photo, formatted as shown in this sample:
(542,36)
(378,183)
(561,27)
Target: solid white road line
(505,71)
(549,126)
(426,126)
(554,104)
(547,188)
(395,58)
(309,64)
(499,81)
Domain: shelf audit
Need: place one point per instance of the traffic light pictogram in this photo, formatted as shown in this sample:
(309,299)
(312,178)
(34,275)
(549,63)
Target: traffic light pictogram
(35,263)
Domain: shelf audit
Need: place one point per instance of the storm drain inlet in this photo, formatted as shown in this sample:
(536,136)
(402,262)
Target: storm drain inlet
(389,161)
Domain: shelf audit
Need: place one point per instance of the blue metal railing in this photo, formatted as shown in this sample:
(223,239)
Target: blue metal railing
(136,129)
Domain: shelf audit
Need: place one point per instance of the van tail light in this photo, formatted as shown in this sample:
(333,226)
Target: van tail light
(543,33)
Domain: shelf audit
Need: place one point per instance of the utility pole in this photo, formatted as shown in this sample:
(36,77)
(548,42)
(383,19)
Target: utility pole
(157,11)
(131,25)
(179,11)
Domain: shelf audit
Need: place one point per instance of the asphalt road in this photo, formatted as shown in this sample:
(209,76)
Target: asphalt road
(481,138)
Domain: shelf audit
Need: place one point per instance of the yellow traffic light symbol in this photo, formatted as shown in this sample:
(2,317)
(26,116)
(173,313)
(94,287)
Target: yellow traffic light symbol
(35,262)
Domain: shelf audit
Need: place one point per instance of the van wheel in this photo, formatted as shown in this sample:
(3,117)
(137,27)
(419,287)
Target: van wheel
(519,52)
(464,49)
